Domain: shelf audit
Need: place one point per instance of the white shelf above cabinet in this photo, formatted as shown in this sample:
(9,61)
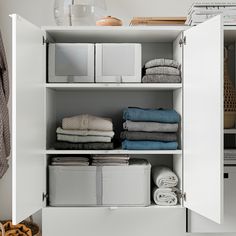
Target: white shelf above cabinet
(114,34)
(113,86)
(230,131)
(115,151)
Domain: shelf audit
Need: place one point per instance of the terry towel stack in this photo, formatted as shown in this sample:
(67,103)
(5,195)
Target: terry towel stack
(162,71)
(165,192)
(150,129)
(85,132)
(110,160)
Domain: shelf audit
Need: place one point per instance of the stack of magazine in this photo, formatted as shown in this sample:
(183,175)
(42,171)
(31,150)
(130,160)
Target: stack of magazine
(200,12)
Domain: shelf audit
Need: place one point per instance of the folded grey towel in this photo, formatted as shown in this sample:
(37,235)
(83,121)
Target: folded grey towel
(162,62)
(164,177)
(87,122)
(83,146)
(161,79)
(150,126)
(162,71)
(85,132)
(154,136)
(164,196)
(82,139)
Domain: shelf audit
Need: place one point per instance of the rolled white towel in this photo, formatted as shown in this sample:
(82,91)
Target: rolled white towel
(164,196)
(164,177)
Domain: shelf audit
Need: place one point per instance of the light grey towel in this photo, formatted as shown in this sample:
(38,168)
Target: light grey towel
(5,147)
(162,71)
(85,132)
(83,139)
(164,196)
(87,122)
(150,126)
(161,79)
(162,62)
(152,136)
(164,177)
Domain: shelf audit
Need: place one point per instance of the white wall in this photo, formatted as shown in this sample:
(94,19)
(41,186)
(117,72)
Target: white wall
(40,13)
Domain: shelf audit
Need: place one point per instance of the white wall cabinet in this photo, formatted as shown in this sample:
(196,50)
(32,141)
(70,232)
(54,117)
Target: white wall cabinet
(38,108)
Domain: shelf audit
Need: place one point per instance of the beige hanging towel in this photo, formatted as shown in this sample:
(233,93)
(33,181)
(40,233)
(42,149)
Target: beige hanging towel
(4,116)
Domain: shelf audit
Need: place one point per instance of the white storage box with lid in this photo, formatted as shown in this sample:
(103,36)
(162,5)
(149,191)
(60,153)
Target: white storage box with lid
(71,63)
(102,186)
(118,63)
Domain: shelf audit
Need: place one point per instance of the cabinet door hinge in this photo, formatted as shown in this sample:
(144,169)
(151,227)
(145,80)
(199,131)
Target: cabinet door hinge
(182,41)
(183,196)
(44,40)
(44,196)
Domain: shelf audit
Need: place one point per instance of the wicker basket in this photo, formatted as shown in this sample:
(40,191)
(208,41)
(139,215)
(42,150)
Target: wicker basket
(29,224)
(229,97)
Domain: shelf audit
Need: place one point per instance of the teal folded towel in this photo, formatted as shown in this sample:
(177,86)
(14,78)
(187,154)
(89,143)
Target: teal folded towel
(148,145)
(154,115)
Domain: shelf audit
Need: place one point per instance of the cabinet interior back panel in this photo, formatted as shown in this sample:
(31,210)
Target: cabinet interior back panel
(100,103)
(156,50)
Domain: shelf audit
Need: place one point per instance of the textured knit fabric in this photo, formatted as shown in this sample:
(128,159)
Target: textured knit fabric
(152,136)
(87,122)
(162,62)
(83,139)
(150,126)
(162,70)
(85,132)
(154,115)
(161,79)
(4,116)
(148,145)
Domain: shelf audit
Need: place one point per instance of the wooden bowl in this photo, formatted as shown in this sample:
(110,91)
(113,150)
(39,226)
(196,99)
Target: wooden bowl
(109,21)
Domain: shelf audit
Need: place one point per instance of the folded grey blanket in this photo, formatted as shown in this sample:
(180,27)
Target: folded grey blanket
(83,146)
(162,62)
(161,79)
(150,126)
(87,122)
(156,136)
(83,139)
(85,132)
(164,177)
(164,196)
(162,71)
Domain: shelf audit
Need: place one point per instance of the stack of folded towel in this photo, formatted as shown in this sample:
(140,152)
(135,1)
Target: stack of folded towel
(70,161)
(110,160)
(85,132)
(162,71)
(165,192)
(150,129)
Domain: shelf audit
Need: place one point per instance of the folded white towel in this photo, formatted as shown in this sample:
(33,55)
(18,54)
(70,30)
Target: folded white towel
(85,132)
(83,139)
(164,196)
(87,122)
(164,177)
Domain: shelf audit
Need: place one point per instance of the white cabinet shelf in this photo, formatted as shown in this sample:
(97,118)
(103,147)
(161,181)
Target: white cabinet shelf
(113,34)
(110,86)
(115,151)
(230,131)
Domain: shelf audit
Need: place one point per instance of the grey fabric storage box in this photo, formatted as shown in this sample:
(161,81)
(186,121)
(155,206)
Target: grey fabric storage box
(71,63)
(99,186)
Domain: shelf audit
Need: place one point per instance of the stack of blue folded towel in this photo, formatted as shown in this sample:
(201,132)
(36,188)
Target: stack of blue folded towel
(150,129)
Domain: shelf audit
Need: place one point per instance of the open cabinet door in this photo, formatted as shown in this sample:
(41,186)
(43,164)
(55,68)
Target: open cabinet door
(203,119)
(28,120)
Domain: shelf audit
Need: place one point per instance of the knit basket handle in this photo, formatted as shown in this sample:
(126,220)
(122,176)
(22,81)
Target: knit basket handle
(2,229)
